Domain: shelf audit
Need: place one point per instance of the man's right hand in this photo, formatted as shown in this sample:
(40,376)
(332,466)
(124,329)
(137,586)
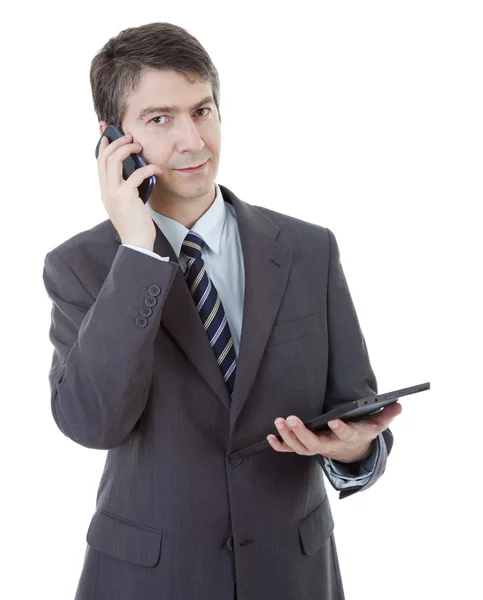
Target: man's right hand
(125,208)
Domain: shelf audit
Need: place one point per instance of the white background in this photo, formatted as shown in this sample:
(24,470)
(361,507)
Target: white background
(364,117)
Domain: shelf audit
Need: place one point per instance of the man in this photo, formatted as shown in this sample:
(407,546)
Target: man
(182,330)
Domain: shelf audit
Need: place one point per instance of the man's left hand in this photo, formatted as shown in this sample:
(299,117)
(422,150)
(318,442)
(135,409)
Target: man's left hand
(346,442)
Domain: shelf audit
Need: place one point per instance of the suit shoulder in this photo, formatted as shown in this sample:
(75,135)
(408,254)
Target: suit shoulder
(284,220)
(293,228)
(98,240)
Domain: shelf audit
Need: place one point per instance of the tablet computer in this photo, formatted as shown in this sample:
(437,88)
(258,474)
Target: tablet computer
(347,411)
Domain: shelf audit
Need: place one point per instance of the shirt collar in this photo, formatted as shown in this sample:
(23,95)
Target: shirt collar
(209,226)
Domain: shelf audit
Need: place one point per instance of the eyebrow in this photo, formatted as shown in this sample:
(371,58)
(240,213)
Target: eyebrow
(173,109)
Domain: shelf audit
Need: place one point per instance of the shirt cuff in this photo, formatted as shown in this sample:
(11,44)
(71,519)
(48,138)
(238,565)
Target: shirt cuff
(345,475)
(153,254)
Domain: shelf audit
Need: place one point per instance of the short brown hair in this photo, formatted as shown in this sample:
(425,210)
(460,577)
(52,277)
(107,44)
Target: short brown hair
(117,68)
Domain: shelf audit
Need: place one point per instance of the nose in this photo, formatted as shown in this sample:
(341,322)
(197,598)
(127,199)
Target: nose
(188,137)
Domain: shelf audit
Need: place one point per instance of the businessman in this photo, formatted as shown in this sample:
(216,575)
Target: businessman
(190,327)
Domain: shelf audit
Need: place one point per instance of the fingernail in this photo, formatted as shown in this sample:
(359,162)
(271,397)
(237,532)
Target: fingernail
(292,421)
(279,424)
(334,424)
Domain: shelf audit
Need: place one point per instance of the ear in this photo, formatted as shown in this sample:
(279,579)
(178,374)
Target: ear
(102,127)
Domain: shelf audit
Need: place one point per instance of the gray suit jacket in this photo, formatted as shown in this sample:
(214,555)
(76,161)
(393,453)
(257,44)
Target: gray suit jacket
(177,517)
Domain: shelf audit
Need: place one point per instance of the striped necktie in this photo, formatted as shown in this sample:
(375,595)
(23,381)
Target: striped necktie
(209,307)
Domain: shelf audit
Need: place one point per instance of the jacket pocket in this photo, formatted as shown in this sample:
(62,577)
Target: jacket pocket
(316,528)
(124,540)
(292,330)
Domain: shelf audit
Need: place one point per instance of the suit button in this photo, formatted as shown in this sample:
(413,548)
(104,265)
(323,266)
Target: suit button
(145,311)
(154,290)
(141,322)
(235,460)
(150,301)
(229,544)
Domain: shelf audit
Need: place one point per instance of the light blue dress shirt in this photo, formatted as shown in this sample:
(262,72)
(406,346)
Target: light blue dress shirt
(223,258)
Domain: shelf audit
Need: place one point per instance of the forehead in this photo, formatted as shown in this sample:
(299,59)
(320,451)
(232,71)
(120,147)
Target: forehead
(158,88)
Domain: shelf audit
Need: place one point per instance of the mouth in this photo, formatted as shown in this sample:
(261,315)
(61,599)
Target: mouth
(193,169)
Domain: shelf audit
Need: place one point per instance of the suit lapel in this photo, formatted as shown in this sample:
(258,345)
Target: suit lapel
(267,265)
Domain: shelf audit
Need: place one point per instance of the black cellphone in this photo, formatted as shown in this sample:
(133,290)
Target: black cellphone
(130,164)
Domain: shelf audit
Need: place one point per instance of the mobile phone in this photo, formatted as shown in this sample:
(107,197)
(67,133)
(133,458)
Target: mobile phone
(130,164)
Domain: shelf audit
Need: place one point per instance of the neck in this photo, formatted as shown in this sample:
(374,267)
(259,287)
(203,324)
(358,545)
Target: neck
(184,210)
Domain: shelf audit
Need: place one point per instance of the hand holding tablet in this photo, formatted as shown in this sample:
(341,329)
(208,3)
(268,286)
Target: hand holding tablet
(347,442)
(363,408)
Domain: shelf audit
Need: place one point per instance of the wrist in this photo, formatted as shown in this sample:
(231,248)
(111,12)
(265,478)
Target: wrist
(362,455)
(140,244)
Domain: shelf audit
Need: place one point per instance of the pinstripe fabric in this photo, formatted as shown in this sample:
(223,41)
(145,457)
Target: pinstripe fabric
(210,308)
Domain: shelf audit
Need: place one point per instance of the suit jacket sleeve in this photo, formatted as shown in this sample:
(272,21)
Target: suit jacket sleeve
(103,349)
(350,475)
(350,375)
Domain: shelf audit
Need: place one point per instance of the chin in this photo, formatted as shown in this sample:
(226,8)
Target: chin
(194,189)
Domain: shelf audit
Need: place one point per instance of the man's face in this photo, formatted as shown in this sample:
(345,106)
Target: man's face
(175,140)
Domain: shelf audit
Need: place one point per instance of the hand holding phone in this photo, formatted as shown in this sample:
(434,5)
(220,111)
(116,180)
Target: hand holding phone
(120,196)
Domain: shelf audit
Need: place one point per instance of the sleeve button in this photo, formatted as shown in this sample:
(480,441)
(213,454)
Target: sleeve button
(154,290)
(150,301)
(141,321)
(145,311)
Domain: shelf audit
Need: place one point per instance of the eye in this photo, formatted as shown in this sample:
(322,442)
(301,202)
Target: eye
(154,118)
(205,108)
(161,116)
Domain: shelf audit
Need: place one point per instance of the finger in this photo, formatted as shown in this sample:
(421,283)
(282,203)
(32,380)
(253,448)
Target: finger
(382,419)
(289,439)
(114,162)
(298,437)
(101,163)
(278,445)
(127,138)
(107,149)
(139,175)
(314,442)
(392,411)
(344,431)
